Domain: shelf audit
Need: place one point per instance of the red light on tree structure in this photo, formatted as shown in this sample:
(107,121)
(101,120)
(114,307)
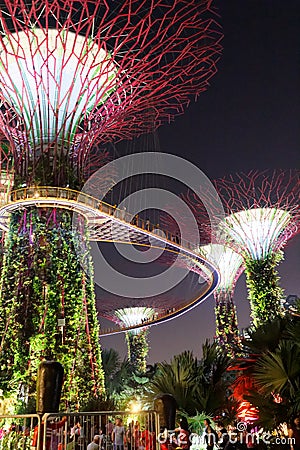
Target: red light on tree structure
(74,75)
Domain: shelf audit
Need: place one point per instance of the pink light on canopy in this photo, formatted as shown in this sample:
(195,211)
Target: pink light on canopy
(76,73)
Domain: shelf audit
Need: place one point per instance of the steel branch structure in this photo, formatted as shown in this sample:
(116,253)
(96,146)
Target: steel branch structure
(262,214)
(230,267)
(76,73)
(73,76)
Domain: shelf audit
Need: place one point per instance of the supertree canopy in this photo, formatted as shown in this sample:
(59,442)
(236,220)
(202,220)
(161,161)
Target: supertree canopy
(230,266)
(72,75)
(137,342)
(262,215)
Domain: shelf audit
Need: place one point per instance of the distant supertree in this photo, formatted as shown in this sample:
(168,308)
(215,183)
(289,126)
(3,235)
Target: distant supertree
(137,339)
(230,266)
(72,75)
(262,214)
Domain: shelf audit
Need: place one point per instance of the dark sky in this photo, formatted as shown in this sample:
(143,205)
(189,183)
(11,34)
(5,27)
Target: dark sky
(249,118)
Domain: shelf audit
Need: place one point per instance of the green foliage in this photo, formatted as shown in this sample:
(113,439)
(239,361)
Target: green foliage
(43,280)
(51,168)
(266,336)
(271,371)
(122,384)
(265,293)
(227,331)
(138,348)
(278,372)
(196,385)
(196,422)
(117,375)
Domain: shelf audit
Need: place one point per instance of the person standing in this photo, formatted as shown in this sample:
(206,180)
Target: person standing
(118,435)
(50,426)
(136,435)
(223,436)
(183,438)
(129,435)
(76,433)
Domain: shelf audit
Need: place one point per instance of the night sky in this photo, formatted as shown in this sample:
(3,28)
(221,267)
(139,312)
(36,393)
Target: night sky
(249,118)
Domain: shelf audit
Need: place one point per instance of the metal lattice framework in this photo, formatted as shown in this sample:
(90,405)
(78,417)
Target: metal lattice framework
(75,73)
(73,76)
(134,316)
(228,262)
(261,211)
(262,214)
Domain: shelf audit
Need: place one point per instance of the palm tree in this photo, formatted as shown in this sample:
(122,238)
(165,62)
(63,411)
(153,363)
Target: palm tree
(117,375)
(212,383)
(196,385)
(278,374)
(270,373)
(177,378)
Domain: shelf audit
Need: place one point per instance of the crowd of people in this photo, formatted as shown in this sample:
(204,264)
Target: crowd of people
(240,436)
(119,437)
(114,435)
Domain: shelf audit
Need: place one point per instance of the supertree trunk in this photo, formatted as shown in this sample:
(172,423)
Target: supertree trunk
(227,332)
(138,347)
(265,294)
(48,306)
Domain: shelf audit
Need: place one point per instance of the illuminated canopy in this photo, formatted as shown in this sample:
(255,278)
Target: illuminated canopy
(134,316)
(228,263)
(256,232)
(88,72)
(52,79)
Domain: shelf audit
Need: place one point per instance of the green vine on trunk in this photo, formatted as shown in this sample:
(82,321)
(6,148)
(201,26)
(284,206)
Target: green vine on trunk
(265,294)
(138,348)
(43,280)
(227,331)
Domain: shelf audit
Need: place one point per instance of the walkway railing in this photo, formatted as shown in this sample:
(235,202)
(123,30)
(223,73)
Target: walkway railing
(95,211)
(65,194)
(74,431)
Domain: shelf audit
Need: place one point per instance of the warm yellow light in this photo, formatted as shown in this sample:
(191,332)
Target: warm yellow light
(135,406)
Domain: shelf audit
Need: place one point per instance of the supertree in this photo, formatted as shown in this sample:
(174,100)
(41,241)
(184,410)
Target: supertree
(230,266)
(134,317)
(73,74)
(137,342)
(228,262)
(262,214)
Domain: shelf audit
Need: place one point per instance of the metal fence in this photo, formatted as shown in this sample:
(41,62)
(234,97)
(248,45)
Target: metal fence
(74,431)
